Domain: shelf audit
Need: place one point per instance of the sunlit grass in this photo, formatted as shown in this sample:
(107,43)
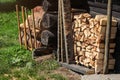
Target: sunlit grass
(8,30)
(16,62)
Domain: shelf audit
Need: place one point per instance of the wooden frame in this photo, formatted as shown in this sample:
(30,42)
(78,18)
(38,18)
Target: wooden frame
(24,40)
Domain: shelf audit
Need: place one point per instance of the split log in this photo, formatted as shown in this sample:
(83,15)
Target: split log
(79,43)
(78,49)
(29,42)
(99,56)
(81,53)
(87,32)
(98,69)
(75,48)
(103,22)
(76,59)
(81,59)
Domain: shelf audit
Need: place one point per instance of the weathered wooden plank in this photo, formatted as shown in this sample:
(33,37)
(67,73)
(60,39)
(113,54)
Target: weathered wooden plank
(26,14)
(33,18)
(61,30)
(77,68)
(58,44)
(104,6)
(18,21)
(104,11)
(67,23)
(103,22)
(23,18)
(107,39)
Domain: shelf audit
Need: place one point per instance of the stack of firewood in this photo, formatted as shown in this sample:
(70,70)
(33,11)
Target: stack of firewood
(38,29)
(89,41)
(30,23)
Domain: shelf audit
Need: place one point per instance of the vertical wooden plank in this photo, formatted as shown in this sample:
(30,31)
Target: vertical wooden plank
(18,21)
(107,39)
(33,17)
(64,31)
(67,22)
(26,14)
(23,18)
(58,44)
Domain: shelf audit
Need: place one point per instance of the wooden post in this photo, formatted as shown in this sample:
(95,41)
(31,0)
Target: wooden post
(18,21)
(58,33)
(26,13)
(58,44)
(64,32)
(67,25)
(61,31)
(33,17)
(23,18)
(107,39)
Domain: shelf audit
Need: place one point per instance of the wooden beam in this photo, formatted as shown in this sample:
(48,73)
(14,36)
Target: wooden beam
(33,17)
(58,33)
(78,68)
(107,39)
(115,8)
(18,21)
(104,11)
(67,25)
(26,14)
(23,18)
(64,31)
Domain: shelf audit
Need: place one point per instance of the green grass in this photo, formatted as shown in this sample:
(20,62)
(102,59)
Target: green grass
(8,30)
(16,62)
(57,77)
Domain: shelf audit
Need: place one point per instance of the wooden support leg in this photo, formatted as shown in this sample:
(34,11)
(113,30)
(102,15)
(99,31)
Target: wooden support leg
(26,13)
(61,31)
(107,39)
(23,18)
(58,44)
(65,39)
(34,28)
(18,21)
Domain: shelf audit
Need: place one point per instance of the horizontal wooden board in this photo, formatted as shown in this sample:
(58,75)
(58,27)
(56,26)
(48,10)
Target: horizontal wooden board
(77,68)
(103,22)
(102,45)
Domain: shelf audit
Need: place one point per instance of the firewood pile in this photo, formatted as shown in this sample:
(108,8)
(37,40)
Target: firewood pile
(29,23)
(40,30)
(89,41)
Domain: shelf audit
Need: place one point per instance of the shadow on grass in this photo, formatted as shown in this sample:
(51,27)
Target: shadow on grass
(7,7)
(5,44)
